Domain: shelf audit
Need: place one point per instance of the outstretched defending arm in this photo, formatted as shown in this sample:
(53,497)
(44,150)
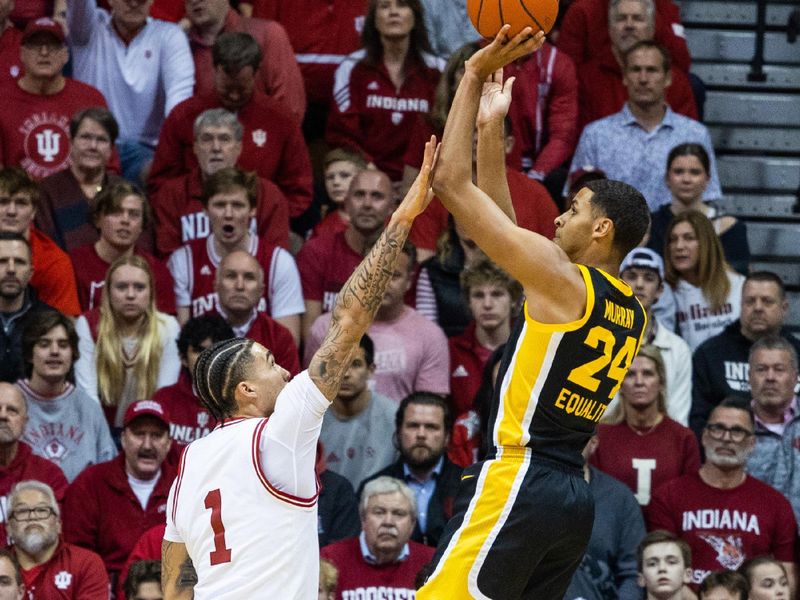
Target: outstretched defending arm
(359,299)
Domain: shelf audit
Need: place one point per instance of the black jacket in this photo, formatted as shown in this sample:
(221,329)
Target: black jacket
(337,509)
(12,326)
(440,508)
(720,369)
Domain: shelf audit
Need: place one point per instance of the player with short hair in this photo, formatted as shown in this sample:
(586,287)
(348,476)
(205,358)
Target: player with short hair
(243,507)
(524,515)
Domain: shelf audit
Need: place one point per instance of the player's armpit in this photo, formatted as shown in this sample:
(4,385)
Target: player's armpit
(178,576)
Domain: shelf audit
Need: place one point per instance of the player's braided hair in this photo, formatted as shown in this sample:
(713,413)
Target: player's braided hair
(219,369)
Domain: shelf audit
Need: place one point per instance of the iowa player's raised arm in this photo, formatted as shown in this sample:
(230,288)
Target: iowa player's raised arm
(361,295)
(542,268)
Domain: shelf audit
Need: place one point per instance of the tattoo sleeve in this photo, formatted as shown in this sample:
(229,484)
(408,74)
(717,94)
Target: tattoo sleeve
(355,307)
(178,576)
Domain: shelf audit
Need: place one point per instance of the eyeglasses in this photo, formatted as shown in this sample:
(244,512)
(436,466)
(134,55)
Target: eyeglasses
(88,138)
(737,434)
(38,513)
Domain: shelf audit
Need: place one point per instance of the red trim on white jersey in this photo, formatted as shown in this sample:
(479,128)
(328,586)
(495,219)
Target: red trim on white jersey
(178,480)
(282,496)
(228,422)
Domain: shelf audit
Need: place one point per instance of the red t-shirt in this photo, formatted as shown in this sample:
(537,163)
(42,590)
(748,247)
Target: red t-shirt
(53,277)
(10,63)
(34,129)
(644,462)
(180,217)
(467,359)
(273,147)
(276,338)
(325,263)
(188,419)
(533,207)
(72,573)
(724,527)
(333,223)
(584,31)
(360,579)
(322,33)
(90,271)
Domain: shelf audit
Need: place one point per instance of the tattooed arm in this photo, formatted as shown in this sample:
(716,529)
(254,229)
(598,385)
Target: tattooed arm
(361,295)
(177,573)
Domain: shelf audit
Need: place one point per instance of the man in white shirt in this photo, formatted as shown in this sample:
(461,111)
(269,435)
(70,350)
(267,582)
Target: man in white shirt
(243,508)
(143,67)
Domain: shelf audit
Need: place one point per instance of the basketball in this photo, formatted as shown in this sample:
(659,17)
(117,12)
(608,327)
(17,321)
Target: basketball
(488,16)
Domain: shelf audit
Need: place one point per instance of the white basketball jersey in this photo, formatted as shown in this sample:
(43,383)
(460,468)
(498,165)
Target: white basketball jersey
(245,538)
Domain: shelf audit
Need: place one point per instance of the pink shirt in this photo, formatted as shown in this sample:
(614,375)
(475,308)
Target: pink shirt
(411,354)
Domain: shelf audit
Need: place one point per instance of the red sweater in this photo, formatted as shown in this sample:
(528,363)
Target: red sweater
(325,263)
(603,93)
(534,208)
(102,513)
(148,547)
(358,578)
(277,339)
(90,272)
(322,33)
(72,573)
(467,359)
(278,76)
(34,128)
(273,147)
(180,217)
(53,277)
(584,31)
(374,117)
(10,63)
(544,109)
(26,465)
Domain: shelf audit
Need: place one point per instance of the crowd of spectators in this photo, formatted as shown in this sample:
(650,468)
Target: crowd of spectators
(220,170)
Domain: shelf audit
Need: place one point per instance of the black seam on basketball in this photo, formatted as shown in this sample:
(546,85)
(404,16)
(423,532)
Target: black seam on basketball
(535,20)
(478,20)
(500,13)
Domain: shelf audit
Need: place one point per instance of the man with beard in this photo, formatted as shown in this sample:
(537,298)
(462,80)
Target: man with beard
(382,557)
(725,515)
(422,427)
(18,301)
(50,567)
(110,505)
(17,461)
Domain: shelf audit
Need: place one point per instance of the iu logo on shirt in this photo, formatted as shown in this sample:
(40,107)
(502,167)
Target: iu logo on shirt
(46,143)
(259,137)
(730,554)
(63,580)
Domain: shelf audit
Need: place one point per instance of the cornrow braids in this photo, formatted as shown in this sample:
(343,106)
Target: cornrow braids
(219,369)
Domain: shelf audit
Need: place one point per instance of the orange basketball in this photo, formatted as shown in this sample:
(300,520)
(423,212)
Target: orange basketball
(488,16)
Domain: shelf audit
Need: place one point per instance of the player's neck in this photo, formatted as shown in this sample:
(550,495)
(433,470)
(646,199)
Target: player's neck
(109,253)
(8,452)
(42,86)
(351,408)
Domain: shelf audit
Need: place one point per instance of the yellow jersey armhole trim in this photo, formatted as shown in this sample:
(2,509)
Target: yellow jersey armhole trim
(617,283)
(571,325)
